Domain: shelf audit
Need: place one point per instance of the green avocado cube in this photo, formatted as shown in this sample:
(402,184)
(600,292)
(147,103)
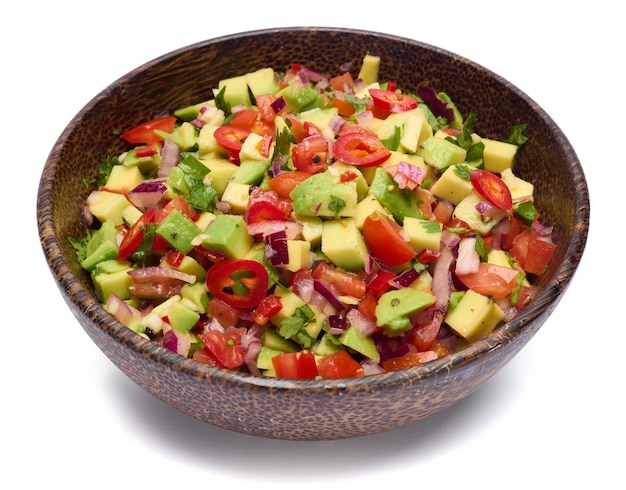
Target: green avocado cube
(179,231)
(475,316)
(399,202)
(343,243)
(441,153)
(116,283)
(363,345)
(228,234)
(235,90)
(181,317)
(324,195)
(394,308)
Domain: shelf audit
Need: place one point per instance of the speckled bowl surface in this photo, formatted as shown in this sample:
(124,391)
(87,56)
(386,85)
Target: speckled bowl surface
(299,409)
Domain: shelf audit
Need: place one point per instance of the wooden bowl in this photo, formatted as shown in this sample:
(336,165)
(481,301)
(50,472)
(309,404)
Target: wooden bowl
(299,409)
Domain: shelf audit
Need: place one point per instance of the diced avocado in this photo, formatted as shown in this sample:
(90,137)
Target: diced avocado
(466,211)
(236,90)
(327,344)
(311,229)
(299,96)
(228,234)
(475,316)
(189,113)
(237,195)
(498,155)
(272,340)
(196,293)
(454,184)
(204,220)
(423,282)
(368,206)
(369,69)
(264,358)
(123,179)
(441,153)
(188,265)
(146,164)
(400,202)
(178,230)
(184,136)
(250,172)
(320,118)
(423,234)
(107,206)
(343,243)
(413,129)
(363,345)
(101,246)
(130,215)
(116,283)
(299,255)
(395,306)
(181,317)
(262,81)
(207,144)
(221,170)
(520,188)
(324,195)
(341,170)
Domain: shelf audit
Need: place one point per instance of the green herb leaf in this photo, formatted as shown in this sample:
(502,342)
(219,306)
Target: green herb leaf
(302,316)
(336,204)
(516,137)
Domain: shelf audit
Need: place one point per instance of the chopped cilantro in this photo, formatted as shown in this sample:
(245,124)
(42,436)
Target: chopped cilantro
(481,248)
(336,204)
(80,245)
(302,316)
(393,141)
(526,211)
(104,170)
(220,102)
(516,137)
(463,171)
(431,227)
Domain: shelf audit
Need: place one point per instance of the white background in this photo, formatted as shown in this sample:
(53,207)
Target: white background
(552,418)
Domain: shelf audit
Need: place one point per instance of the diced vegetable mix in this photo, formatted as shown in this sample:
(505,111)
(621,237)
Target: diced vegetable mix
(301,226)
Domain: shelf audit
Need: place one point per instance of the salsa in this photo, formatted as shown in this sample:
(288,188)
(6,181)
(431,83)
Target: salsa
(309,226)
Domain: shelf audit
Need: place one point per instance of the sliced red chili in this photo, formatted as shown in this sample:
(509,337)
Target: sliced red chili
(492,188)
(239,283)
(392,101)
(360,150)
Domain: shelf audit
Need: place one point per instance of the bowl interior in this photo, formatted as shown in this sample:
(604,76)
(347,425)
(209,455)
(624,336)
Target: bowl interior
(188,75)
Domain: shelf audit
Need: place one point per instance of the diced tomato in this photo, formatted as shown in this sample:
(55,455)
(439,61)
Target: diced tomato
(144,133)
(385,240)
(174,257)
(296,126)
(408,360)
(264,104)
(492,188)
(225,346)
(311,155)
(345,282)
(261,211)
(205,356)
(295,365)
(427,255)
(392,101)
(250,120)
(360,150)
(223,312)
(342,83)
(344,108)
(515,228)
(284,183)
(378,282)
(239,283)
(491,280)
(179,203)
(145,151)
(338,365)
(231,138)
(135,234)
(367,305)
(268,307)
(540,253)
(424,334)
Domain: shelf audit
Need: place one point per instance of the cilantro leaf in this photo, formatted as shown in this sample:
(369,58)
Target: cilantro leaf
(516,137)
(336,204)
(302,316)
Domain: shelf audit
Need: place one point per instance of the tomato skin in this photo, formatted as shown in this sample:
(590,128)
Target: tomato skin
(391,101)
(492,188)
(250,120)
(284,183)
(231,138)
(264,211)
(491,280)
(338,365)
(295,365)
(540,253)
(385,241)
(360,149)
(311,154)
(367,305)
(408,360)
(135,234)
(219,282)
(345,282)
(144,133)
(224,313)
(225,346)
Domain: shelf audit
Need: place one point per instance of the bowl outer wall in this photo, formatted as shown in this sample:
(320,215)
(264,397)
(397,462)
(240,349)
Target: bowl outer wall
(297,409)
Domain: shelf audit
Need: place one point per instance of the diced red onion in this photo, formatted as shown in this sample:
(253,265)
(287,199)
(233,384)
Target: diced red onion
(365,119)
(336,123)
(251,346)
(327,292)
(405,278)
(449,239)
(413,175)
(170,340)
(490,212)
(442,279)
(147,193)
(122,311)
(312,75)
(363,325)
(468,260)
(170,155)
(370,367)
(337,324)
(277,242)
(541,229)
(266,228)
(279,104)
(223,206)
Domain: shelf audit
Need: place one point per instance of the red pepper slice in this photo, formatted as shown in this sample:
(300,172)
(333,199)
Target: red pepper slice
(231,138)
(492,188)
(391,101)
(238,283)
(135,234)
(360,150)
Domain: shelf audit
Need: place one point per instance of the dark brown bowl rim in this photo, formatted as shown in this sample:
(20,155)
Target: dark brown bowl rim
(541,307)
